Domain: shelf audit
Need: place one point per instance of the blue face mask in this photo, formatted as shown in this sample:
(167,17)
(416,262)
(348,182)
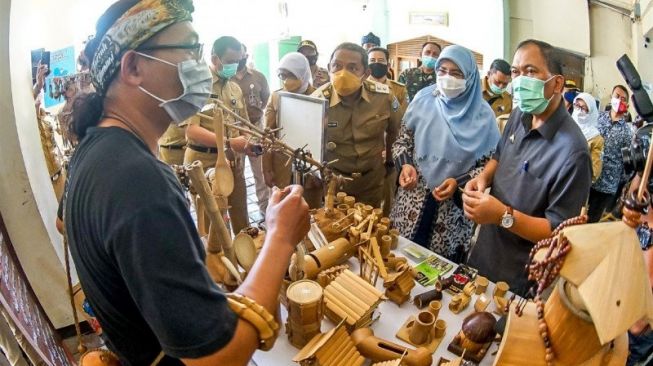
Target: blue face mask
(429,62)
(228,70)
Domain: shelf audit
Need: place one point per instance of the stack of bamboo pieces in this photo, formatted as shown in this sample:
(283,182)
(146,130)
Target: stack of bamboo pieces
(352,299)
(334,348)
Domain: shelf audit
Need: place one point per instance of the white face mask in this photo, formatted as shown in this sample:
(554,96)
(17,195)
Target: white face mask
(450,86)
(580,117)
(195,76)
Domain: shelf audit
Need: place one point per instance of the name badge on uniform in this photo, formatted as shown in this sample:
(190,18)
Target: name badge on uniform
(332,124)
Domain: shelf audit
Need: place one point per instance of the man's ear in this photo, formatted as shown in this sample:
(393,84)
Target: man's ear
(217,64)
(559,84)
(131,72)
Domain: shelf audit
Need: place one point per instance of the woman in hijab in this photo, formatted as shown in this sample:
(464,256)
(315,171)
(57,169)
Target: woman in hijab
(448,134)
(586,116)
(295,75)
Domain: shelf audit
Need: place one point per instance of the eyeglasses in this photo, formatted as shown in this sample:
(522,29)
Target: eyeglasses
(581,107)
(455,73)
(196,48)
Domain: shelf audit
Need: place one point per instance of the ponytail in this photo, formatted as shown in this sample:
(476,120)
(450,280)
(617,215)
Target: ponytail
(87,112)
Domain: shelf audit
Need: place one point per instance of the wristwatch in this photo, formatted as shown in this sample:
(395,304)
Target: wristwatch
(507,220)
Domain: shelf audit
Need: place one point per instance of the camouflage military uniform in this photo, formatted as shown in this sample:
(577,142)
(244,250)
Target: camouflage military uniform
(357,135)
(415,80)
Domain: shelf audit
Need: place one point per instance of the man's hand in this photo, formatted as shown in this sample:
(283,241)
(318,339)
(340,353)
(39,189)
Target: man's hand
(241,145)
(445,190)
(478,184)
(287,216)
(482,208)
(408,177)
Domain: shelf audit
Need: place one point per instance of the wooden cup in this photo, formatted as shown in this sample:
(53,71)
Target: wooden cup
(340,197)
(421,329)
(394,233)
(440,328)
(434,308)
(500,289)
(349,201)
(481,284)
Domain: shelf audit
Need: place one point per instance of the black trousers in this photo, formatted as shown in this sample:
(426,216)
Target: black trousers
(598,203)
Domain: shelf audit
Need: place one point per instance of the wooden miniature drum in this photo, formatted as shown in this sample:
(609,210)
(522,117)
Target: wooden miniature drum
(304,311)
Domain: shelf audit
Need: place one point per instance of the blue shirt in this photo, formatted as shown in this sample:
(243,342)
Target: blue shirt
(542,172)
(616,136)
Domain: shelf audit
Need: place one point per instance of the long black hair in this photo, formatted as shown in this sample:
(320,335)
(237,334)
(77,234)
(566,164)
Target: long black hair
(88,108)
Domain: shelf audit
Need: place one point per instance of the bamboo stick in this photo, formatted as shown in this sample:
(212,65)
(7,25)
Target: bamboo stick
(201,185)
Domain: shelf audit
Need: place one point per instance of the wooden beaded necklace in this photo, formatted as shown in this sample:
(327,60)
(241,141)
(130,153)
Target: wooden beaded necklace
(544,272)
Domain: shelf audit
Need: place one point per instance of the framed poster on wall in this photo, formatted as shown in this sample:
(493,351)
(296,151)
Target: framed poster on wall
(303,121)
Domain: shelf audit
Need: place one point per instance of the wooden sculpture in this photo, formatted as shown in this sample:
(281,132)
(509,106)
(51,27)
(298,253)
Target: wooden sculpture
(603,290)
(399,285)
(377,349)
(350,298)
(475,337)
(334,348)
(304,312)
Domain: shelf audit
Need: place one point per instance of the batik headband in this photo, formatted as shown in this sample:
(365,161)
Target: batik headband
(132,29)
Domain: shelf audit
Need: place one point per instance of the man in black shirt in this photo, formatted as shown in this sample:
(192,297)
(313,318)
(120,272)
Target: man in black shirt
(540,173)
(137,252)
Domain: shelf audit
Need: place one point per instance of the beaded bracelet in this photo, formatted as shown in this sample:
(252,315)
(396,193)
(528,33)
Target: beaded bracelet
(255,314)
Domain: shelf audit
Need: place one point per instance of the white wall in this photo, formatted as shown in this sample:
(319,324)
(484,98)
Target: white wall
(562,23)
(27,199)
(475,24)
(611,38)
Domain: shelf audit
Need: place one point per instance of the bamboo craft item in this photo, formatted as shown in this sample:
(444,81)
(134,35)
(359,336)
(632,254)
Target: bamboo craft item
(423,330)
(604,291)
(351,299)
(460,301)
(337,252)
(219,236)
(223,185)
(377,349)
(399,285)
(475,337)
(325,277)
(304,311)
(334,348)
(396,362)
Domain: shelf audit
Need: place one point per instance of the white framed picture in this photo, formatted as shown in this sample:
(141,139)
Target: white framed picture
(303,121)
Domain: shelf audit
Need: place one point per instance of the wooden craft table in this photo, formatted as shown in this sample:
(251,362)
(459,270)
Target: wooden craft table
(391,319)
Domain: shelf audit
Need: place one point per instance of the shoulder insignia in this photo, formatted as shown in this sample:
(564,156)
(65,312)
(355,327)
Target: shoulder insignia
(323,91)
(377,87)
(396,83)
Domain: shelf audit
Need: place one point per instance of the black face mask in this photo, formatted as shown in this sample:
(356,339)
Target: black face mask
(312,60)
(242,63)
(379,70)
